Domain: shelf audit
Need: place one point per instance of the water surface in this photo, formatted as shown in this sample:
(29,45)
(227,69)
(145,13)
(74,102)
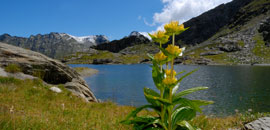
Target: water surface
(230,87)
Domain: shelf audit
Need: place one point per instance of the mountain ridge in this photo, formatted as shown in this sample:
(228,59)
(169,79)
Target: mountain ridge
(55,45)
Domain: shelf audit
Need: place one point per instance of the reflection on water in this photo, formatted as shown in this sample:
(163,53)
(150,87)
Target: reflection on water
(230,87)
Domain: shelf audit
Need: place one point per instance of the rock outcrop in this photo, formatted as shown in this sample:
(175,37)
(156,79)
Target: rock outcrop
(49,70)
(210,22)
(115,46)
(265,30)
(259,124)
(55,45)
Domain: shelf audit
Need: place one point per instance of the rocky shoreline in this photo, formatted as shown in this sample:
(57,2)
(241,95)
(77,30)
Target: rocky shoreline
(86,72)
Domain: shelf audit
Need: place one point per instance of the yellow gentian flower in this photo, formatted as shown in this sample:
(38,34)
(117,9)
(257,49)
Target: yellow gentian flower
(174,28)
(160,57)
(174,50)
(170,72)
(169,80)
(159,37)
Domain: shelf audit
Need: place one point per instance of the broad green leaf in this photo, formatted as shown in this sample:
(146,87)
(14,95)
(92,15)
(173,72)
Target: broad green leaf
(161,100)
(181,114)
(187,103)
(194,104)
(187,91)
(151,92)
(202,102)
(186,125)
(157,76)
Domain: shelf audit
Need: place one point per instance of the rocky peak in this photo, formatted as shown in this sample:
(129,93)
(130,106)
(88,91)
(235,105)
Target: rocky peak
(135,33)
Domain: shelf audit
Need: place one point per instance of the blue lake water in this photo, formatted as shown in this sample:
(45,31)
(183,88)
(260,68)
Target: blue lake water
(230,87)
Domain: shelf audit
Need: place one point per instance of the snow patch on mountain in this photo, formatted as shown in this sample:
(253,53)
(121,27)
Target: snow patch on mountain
(92,39)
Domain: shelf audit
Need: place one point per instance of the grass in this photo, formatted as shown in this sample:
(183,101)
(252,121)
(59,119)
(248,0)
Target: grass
(29,104)
(13,68)
(219,59)
(260,49)
(134,55)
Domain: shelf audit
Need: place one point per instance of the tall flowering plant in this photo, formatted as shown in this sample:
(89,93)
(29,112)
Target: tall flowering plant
(173,111)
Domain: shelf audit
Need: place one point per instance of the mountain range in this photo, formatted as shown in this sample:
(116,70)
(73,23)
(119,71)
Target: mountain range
(55,45)
(233,33)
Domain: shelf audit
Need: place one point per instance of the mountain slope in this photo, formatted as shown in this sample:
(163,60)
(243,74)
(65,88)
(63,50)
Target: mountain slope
(135,38)
(243,40)
(207,24)
(55,45)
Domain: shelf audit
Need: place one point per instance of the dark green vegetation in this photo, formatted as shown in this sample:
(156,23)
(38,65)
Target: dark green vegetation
(29,104)
(130,55)
(12,68)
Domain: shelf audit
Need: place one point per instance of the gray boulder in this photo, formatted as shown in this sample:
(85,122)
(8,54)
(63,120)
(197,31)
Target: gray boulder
(49,70)
(230,47)
(259,124)
(211,53)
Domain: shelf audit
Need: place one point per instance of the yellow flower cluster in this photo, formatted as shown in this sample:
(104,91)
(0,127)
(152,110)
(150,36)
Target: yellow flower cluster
(160,57)
(170,77)
(159,37)
(174,50)
(174,28)
(169,80)
(170,72)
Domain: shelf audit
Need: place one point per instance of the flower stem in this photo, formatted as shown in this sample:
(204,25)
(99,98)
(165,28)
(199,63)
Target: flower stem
(170,93)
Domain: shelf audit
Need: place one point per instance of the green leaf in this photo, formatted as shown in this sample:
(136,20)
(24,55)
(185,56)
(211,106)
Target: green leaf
(194,104)
(181,72)
(161,100)
(181,114)
(157,76)
(153,93)
(188,91)
(187,103)
(177,33)
(186,125)
(189,73)
(150,56)
(146,122)
(134,113)
(202,102)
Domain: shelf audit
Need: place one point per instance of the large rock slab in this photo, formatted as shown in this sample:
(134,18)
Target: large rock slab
(49,70)
(259,124)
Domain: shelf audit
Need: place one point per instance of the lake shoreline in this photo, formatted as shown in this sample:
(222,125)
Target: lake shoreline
(85,71)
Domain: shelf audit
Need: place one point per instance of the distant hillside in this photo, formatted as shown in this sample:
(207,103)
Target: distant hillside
(55,45)
(234,33)
(209,23)
(135,38)
(243,39)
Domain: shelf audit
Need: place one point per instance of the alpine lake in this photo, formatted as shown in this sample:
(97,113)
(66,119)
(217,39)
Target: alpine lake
(232,88)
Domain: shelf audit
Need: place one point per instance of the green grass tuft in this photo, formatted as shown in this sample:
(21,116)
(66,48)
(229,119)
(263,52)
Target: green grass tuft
(13,68)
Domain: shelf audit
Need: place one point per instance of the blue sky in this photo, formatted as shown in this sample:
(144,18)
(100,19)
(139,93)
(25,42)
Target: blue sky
(113,18)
